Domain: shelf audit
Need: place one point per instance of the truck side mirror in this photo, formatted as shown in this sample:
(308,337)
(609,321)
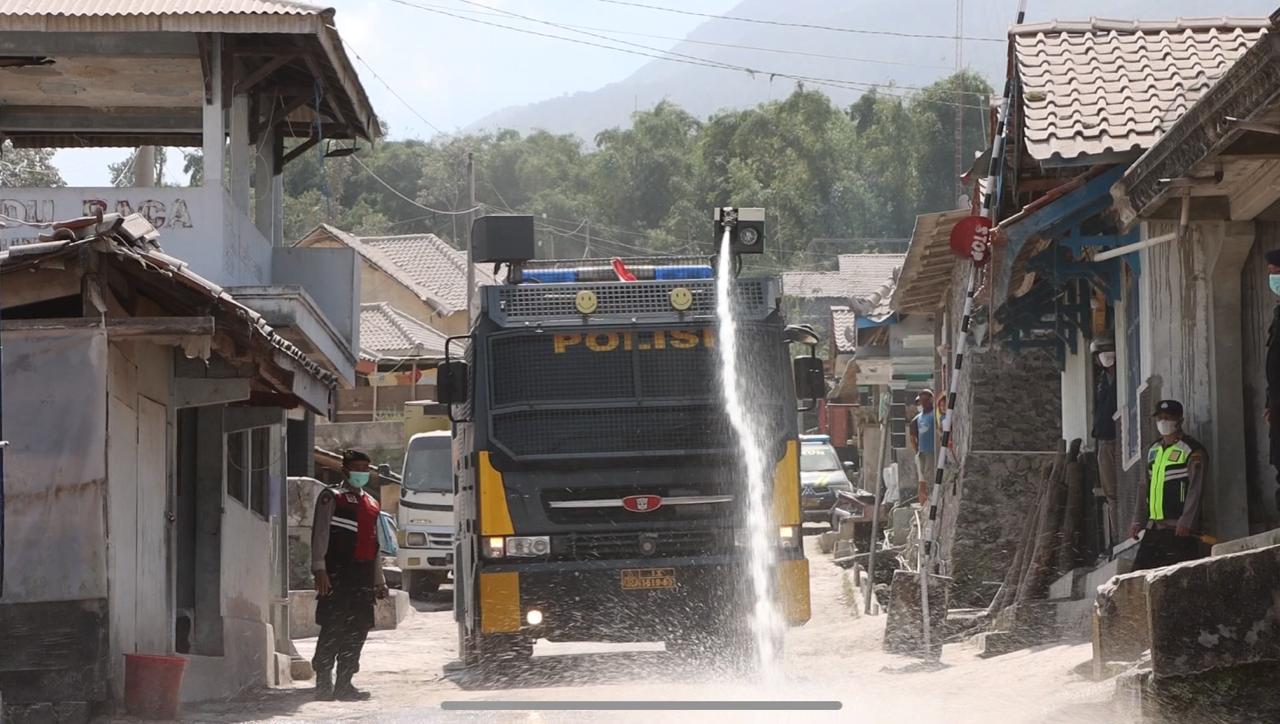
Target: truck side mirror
(848,465)
(811,383)
(452,380)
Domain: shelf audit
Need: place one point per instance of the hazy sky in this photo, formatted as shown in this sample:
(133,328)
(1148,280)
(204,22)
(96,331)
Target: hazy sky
(453,71)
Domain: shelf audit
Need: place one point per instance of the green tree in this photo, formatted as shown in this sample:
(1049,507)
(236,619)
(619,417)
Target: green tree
(28,168)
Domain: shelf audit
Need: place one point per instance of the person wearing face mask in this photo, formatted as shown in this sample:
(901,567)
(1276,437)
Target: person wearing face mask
(1272,412)
(1104,428)
(346,561)
(1169,506)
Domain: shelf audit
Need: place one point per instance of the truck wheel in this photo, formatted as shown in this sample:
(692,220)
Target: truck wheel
(421,584)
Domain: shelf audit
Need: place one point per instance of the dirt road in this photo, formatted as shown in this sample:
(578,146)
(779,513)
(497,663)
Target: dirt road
(835,657)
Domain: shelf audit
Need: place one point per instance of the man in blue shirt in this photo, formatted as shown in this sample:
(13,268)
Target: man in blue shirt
(921,434)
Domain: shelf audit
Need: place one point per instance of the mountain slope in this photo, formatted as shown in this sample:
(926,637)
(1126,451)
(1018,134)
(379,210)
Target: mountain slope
(904,62)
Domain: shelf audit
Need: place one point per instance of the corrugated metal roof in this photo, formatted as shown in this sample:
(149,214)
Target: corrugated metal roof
(1114,86)
(91,8)
(926,273)
(388,332)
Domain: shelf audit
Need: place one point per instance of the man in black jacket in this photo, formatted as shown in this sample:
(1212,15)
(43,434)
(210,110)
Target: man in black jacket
(347,563)
(1273,369)
(1104,429)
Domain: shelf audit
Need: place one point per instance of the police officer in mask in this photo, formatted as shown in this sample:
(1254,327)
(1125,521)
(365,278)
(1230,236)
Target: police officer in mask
(347,563)
(1169,506)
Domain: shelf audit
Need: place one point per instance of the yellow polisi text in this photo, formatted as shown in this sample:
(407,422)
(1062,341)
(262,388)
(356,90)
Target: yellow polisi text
(628,341)
(495,518)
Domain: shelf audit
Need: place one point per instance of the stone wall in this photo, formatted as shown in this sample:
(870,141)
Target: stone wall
(983,519)
(1006,428)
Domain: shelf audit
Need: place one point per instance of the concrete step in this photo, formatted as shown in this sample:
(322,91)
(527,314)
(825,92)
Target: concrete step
(1251,543)
(1070,585)
(1074,620)
(1098,576)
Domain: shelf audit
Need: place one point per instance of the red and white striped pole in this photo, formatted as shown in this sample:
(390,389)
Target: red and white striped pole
(975,243)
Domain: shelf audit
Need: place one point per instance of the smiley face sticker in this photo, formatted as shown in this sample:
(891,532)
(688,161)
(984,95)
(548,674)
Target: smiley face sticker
(586,301)
(681,299)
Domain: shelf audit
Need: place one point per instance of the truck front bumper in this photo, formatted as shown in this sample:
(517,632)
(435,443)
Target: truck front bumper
(632,600)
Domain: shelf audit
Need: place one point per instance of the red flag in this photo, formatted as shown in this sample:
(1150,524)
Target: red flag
(621,270)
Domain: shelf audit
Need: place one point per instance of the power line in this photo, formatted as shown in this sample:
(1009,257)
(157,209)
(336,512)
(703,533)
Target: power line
(862,87)
(393,190)
(808,26)
(710,43)
(387,85)
(837,82)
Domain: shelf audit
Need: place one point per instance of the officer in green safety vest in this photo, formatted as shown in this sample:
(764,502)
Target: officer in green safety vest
(1169,504)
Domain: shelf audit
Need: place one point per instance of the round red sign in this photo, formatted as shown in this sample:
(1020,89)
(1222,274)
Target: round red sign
(642,503)
(971,238)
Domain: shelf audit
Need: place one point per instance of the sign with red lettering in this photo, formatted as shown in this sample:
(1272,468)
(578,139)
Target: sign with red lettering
(971,238)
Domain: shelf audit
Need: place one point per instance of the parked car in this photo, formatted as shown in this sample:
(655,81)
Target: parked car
(822,475)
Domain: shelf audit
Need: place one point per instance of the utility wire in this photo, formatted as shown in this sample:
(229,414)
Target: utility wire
(387,85)
(837,82)
(710,43)
(808,26)
(862,87)
(393,190)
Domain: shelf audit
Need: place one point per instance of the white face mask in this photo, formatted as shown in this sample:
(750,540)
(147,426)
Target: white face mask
(1107,359)
(1167,427)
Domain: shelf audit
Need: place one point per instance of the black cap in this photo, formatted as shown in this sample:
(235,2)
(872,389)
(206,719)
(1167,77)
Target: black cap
(1171,407)
(1273,257)
(352,456)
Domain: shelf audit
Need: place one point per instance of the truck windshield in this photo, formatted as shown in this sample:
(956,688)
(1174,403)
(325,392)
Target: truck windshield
(818,457)
(428,466)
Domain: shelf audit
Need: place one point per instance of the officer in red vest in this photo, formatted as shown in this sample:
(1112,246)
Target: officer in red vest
(346,561)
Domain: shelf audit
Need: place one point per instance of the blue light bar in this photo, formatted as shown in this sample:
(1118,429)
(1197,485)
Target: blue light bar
(815,438)
(551,276)
(687,271)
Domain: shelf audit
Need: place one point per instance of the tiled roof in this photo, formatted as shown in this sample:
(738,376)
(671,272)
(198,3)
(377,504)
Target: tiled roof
(860,276)
(388,332)
(844,329)
(1114,86)
(926,273)
(425,263)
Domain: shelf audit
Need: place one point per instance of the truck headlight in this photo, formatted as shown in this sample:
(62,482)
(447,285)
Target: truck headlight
(528,546)
(416,539)
(788,534)
(494,547)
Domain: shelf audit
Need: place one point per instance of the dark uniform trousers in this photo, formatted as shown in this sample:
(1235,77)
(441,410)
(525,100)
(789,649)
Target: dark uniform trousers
(1162,547)
(345,617)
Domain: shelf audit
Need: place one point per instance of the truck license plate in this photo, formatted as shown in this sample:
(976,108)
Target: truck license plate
(636,579)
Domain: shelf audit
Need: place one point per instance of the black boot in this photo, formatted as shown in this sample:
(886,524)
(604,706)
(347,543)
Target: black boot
(345,691)
(324,686)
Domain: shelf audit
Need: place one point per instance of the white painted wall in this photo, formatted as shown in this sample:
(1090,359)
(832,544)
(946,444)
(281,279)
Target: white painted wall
(246,595)
(1077,393)
(189,220)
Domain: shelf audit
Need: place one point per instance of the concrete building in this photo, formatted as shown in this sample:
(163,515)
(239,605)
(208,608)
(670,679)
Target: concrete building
(189,558)
(145,472)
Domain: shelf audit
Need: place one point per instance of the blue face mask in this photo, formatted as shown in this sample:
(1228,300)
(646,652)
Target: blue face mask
(1274,281)
(358,480)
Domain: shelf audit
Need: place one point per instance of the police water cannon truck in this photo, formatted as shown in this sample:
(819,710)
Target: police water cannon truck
(600,493)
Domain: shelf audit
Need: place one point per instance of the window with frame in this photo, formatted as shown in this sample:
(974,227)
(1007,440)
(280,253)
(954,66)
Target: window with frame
(249,468)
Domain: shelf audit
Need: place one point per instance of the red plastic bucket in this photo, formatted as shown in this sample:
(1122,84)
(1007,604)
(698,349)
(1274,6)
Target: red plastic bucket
(152,685)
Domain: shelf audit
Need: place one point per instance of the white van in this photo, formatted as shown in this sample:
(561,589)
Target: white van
(426,513)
